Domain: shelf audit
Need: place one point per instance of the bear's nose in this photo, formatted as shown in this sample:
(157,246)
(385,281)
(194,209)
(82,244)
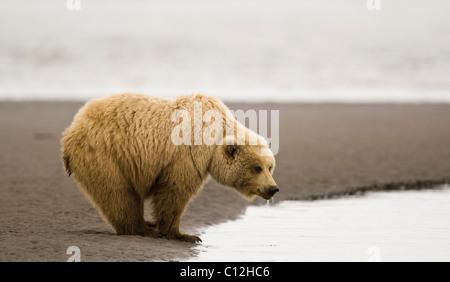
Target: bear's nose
(273,189)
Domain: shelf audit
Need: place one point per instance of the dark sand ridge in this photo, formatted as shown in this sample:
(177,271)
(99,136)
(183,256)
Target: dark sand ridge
(325,151)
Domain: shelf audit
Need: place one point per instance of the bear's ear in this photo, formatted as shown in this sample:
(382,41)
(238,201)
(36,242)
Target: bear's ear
(231,150)
(230,146)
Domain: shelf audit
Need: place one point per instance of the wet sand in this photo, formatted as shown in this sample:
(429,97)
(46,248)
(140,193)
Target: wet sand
(326,150)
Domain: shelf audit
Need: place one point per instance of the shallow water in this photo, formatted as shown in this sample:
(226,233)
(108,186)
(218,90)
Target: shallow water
(382,226)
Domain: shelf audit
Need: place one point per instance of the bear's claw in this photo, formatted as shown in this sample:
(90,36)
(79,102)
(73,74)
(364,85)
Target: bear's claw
(194,239)
(181,237)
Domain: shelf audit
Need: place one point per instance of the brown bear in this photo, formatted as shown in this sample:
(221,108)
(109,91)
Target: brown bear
(125,148)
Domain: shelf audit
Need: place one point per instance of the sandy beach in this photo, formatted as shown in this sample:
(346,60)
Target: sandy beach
(326,150)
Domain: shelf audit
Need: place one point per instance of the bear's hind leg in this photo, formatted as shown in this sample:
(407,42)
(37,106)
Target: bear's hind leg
(123,209)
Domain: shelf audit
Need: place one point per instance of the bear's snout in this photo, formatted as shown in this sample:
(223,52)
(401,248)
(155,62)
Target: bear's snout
(269,192)
(273,190)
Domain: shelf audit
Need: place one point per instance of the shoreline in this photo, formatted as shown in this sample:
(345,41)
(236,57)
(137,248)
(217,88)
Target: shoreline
(325,151)
(416,185)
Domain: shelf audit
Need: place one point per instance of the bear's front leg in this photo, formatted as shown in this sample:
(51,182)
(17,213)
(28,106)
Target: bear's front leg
(168,206)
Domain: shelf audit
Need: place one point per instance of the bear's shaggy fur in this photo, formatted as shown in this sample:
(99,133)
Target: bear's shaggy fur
(119,150)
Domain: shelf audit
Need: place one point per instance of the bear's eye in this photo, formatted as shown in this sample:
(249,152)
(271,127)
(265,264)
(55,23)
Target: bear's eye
(258,169)
(270,169)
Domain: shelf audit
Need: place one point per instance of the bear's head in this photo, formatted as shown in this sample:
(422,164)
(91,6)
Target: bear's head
(246,168)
